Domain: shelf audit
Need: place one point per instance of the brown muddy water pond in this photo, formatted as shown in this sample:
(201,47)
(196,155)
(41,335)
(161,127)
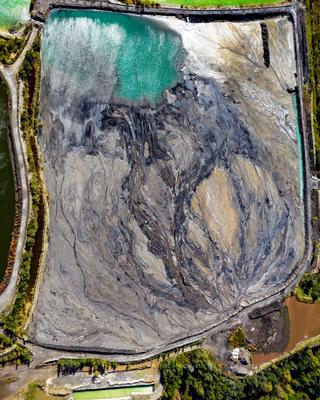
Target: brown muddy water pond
(304,324)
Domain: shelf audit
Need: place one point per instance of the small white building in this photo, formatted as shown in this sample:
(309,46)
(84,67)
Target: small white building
(235,354)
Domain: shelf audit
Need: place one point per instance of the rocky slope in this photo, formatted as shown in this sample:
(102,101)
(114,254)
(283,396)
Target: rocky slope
(167,218)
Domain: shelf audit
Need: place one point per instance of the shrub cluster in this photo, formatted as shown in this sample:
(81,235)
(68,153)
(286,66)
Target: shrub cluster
(10,49)
(19,355)
(308,289)
(237,338)
(5,342)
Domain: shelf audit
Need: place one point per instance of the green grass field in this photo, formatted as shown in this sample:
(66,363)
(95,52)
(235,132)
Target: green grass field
(111,393)
(218,3)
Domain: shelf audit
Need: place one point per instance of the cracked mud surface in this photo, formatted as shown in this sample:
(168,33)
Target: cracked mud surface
(165,218)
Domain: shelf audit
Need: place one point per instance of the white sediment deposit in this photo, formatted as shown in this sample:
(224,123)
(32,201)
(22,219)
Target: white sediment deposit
(164,218)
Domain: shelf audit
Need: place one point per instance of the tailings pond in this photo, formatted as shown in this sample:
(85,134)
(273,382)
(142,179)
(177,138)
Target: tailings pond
(7,193)
(304,324)
(13,12)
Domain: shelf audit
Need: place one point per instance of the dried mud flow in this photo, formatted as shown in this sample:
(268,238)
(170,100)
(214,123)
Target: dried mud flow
(168,218)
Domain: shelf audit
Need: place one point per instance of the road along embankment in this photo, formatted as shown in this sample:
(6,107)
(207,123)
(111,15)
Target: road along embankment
(9,74)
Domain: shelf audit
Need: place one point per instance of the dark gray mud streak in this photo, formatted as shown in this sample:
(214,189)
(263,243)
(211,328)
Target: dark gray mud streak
(265,41)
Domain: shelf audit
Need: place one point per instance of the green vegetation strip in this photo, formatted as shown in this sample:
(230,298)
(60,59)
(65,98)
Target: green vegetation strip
(111,393)
(197,375)
(313,36)
(30,74)
(219,3)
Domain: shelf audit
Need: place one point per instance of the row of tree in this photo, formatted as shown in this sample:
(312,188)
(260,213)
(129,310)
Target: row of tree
(69,366)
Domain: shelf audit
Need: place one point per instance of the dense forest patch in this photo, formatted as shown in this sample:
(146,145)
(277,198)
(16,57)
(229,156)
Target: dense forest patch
(197,375)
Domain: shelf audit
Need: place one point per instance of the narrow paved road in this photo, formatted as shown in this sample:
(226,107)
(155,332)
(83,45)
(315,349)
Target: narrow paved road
(9,74)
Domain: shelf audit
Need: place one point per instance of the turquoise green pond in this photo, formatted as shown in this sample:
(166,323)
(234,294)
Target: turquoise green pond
(7,192)
(109,54)
(13,12)
(111,393)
